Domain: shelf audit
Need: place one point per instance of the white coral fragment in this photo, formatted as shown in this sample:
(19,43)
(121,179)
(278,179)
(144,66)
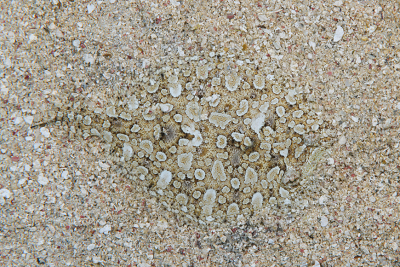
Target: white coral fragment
(199,174)
(207,211)
(193,111)
(123,137)
(284,152)
(87,120)
(125,116)
(196,194)
(338,34)
(315,127)
(106,124)
(238,137)
(264,184)
(251,176)
(182,198)
(225,190)
(135,128)
(264,107)
(299,150)
(272,200)
(246,85)
(290,175)
(183,142)
(160,156)
(233,209)
(259,82)
(94,132)
(235,183)
(202,72)
(299,128)
(272,175)
(220,119)
(177,184)
(221,141)
(197,139)
(266,146)
(107,136)
(232,82)
(247,141)
(218,171)
(166,107)
(257,201)
(280,111)
(268,131)
(257,123)
(215,81)
(276,89)
(142,172)
(290,99)
(221,200)
(185,161)
(127,151)
(214,100)
(284,193)
(297,114)
(178,117)
(157,131)
(209,197)
(175,89)
(254,156)
(243,108)
(149,114)
(133,103)
(164,179)
(147,146)
(152,88)
(173,79)
(110,111)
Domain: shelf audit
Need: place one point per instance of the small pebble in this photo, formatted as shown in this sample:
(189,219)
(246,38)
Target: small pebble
(28,119)
(105,229)
(96,259)
(18,120)
(342,140)
(338,34)
(324,221)
(322,200)
(76,43)
(90,8)
(5,193)
(64,174)
(45,132)
(42,180)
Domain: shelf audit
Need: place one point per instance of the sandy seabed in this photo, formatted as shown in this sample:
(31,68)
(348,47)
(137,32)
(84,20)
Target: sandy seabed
(65,203)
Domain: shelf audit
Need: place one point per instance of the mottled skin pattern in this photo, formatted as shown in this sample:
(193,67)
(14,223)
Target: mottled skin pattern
(280,150)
